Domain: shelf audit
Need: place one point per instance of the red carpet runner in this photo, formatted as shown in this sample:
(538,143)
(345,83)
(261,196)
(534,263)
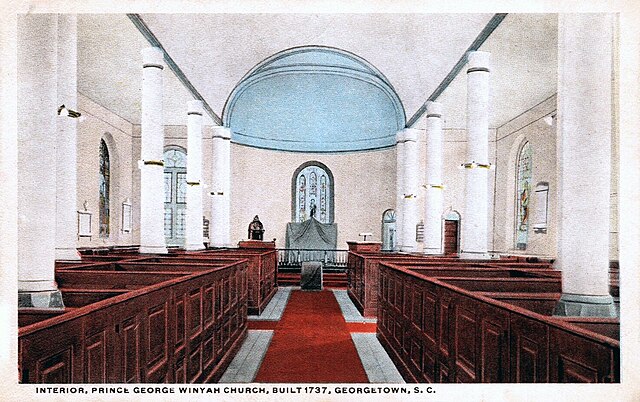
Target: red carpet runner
(311,344)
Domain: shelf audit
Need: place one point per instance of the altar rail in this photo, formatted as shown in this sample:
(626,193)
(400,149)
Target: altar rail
(437,330)
(128,323)
(293,258)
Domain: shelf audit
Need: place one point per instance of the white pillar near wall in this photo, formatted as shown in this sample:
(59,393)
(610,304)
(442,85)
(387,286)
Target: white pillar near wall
(194,238)
(220,226)
(411,186)
(584,163)
(399,188)
(476,197)
(151,165)
(434,186)
(66,177)
(37,105)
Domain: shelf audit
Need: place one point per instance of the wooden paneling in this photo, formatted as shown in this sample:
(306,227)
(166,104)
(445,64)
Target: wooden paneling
(166,331)
(462,336)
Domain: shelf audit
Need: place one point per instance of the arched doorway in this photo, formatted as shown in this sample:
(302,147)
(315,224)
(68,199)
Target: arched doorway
(175,195)
(451,232)
(389,230)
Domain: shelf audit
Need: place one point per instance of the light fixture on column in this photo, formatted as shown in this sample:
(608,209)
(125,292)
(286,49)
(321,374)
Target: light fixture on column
(65,112)
(474,164)
(549,119)
(438,186)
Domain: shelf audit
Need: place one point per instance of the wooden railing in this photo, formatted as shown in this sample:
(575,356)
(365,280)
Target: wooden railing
(126,323)
(293,258)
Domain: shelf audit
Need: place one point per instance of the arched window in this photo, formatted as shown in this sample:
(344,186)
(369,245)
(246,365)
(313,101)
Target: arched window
(523,195)
(105,174)
(312,193)
(175,195)
(389,230)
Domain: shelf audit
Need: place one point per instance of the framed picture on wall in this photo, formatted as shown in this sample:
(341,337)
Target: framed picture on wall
(127,219)
(84,224)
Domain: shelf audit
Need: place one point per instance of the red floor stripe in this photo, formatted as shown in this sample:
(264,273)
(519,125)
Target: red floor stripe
(311,344)
(262,324)
(361,327)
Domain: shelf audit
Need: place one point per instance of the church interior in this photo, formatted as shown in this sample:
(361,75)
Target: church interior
(319,198)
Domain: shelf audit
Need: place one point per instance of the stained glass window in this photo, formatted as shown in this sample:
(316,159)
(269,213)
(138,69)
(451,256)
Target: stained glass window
(523,195)
(105,175)
(313,195)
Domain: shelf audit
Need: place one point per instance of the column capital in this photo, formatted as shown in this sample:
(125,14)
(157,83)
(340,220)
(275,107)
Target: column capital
(434,109)
(221,132)
(400,137)
(195,107)
(478,61)
(152,57)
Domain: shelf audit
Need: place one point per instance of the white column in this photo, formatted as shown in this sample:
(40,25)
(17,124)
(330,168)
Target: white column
(410,208)
(433,195)
(584,163)
(37,110)
(220,226)
(399,188)
(476,203)
(151,165)
(66,195)
(194,239)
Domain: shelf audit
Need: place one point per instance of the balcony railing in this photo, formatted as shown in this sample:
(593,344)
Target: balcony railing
(293,258)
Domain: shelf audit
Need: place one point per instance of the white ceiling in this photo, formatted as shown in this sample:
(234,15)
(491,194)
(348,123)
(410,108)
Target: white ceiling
(414,51)
(524,56)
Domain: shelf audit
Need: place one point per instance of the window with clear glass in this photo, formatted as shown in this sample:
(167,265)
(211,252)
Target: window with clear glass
(175,196)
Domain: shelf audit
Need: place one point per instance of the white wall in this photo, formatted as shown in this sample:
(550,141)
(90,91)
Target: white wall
(261,185)
(100,123)
(529,126)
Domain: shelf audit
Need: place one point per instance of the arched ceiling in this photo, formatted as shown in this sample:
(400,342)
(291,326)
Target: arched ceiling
(413,51)
(314,99)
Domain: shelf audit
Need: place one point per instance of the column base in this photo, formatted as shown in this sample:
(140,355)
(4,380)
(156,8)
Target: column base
(407,249)
(194,247)
(432,251)
(573,305)
(67,254)
(47,300)
(474,255)
(153,250)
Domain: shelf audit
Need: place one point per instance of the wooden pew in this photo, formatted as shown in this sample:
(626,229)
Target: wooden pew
(262,271)
(362,272)
(437,331)
(180,327)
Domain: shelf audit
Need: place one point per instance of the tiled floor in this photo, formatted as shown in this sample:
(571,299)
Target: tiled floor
(376,362)
(349,310)
(245,365)
(275,308)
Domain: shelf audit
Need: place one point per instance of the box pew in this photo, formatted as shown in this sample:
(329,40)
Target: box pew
(177,328)
(362,272)
(541,303)
(262,271)
(435,331)
(493,284)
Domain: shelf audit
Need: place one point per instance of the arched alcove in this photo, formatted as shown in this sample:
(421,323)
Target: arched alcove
(314,99)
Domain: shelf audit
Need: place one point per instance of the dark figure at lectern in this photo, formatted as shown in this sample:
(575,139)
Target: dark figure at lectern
(256,230)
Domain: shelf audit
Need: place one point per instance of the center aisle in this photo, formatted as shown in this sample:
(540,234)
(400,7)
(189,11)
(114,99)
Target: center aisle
(312,344)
